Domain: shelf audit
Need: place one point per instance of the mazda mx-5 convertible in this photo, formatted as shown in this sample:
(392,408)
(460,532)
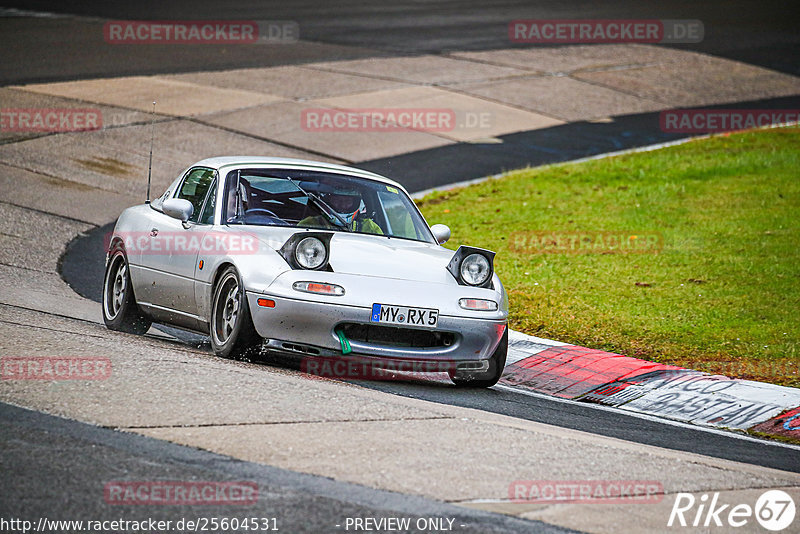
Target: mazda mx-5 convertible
(307,258)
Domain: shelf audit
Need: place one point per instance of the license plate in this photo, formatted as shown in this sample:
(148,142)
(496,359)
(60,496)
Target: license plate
(386,314)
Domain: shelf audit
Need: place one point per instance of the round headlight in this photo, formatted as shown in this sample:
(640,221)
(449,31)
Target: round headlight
(310,253)
(475,269)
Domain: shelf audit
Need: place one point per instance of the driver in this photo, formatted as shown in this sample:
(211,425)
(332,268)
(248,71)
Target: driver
(349,206)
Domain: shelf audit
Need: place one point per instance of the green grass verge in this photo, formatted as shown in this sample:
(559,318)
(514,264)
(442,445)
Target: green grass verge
(721,295)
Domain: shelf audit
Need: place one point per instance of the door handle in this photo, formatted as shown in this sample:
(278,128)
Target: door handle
(153,232)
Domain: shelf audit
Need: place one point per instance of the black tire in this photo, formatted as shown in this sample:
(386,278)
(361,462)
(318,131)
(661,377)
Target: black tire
(488,378)
(232,332)
(120,311)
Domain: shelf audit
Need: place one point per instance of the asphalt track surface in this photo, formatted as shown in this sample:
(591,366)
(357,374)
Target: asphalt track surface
(388,29)
(762,33)
(59,48)
(74,458)
(605,422)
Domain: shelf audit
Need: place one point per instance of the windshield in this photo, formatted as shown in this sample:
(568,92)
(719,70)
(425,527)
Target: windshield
(308,199)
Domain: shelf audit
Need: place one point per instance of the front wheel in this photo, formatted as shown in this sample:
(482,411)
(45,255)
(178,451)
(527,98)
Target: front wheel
(232,332)
(488,378)
(120,311)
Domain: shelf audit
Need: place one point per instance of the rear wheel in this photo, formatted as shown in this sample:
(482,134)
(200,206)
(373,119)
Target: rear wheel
(120,311)
(488,378)
(232,332)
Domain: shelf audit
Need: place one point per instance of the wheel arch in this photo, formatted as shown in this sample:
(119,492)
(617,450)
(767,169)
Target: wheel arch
(210,288)
(116,243)
(129,317)
(221,268)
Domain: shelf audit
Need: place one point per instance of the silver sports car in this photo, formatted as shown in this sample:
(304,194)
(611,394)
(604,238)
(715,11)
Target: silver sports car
(325,262)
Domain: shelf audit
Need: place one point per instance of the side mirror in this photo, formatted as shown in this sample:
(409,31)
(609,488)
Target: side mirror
(441,232)
(178,208)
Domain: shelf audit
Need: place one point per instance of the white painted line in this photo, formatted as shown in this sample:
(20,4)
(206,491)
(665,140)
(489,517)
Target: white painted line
(520,337)
(651,418)
(13,12)
(521,346)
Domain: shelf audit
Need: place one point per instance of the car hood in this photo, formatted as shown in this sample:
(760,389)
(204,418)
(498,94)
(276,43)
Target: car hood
(370,255)
(390,258)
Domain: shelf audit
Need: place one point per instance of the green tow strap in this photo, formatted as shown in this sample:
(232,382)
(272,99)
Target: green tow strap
(346,349)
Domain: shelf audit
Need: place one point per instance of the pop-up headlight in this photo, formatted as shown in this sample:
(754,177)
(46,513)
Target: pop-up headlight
(472,266)
(307,250)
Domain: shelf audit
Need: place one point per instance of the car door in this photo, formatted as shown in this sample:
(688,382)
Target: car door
(170,259)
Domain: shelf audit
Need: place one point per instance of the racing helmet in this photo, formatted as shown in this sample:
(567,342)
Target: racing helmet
(345,201)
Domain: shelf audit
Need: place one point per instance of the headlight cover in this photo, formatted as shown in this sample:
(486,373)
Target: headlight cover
(308,250)
(472,266)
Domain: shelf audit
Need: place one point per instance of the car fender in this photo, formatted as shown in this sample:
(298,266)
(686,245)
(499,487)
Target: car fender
(257,263)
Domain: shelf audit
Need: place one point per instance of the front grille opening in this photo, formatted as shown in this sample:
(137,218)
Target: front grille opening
(397,336)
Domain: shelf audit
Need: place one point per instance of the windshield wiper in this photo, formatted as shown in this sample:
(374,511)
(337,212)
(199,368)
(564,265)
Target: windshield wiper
(322,205)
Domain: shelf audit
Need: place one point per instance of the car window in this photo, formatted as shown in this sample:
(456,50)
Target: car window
(398,215)
(195,187)
(262,198)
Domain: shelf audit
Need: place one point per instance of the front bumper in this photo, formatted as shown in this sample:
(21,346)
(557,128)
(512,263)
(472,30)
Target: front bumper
(307,327)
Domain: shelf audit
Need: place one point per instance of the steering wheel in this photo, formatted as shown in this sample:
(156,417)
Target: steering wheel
(263,216)
(260,211)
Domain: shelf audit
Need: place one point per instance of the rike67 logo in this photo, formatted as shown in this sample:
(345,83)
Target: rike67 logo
(774,510)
